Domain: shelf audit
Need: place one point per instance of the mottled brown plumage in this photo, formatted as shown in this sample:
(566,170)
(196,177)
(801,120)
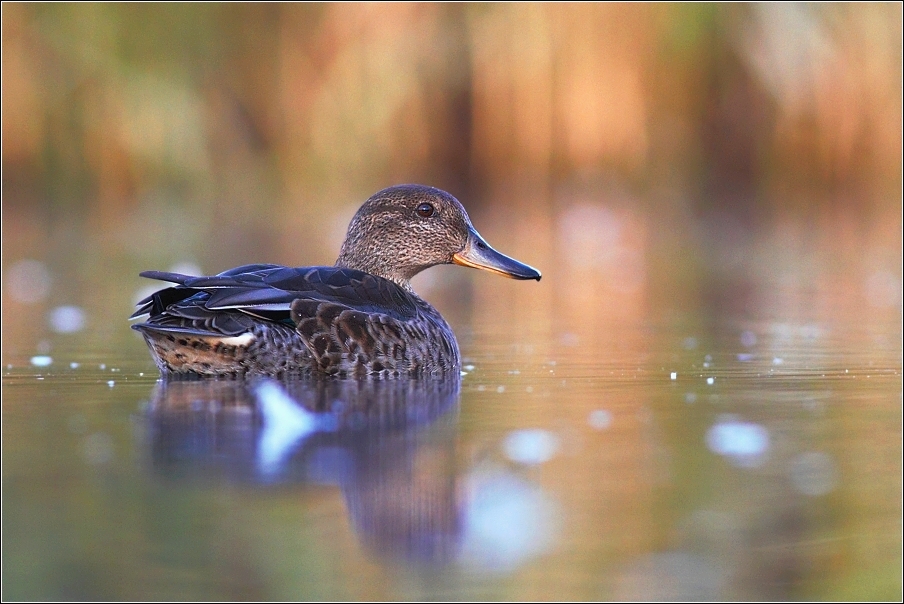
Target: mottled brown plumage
(357,318)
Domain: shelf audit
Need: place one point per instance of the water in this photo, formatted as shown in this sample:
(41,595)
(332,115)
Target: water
(608,440)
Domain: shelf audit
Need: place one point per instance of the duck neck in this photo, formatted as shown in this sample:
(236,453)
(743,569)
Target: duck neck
(375,265)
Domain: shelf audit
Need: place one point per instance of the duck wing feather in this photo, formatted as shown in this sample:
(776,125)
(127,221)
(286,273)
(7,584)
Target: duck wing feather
(231,302)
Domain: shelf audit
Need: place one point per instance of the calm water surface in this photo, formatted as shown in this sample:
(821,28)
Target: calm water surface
(738,450)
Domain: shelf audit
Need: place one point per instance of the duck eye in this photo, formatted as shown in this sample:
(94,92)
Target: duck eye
(425,210)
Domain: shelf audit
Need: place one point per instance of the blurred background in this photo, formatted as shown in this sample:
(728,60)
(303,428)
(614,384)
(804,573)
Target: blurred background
(695,181)
(609,137)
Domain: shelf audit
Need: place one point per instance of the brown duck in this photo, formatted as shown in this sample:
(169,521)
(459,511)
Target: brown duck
(359,317)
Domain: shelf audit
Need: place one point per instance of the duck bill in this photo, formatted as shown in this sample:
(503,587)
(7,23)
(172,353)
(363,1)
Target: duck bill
(477,253)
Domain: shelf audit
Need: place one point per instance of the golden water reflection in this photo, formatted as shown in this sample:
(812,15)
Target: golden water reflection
(711,416)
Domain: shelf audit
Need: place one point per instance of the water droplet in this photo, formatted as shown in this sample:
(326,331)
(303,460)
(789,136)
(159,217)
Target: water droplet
(41,360)
(28,281)
(744,443)
(530,447)
(67,319)
(600,419)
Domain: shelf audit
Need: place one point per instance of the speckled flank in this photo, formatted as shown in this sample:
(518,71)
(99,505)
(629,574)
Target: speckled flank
(274,350)
(351,342)
(328,340)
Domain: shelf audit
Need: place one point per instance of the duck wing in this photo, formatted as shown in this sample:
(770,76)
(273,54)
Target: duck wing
(228,303)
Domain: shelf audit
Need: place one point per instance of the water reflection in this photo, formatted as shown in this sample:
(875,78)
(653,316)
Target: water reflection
(389,445)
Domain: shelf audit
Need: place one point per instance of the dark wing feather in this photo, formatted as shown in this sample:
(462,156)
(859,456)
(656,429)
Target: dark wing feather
(277,287)
(165,276)
(360,291)
(269,292)
(161,299)
(249,297)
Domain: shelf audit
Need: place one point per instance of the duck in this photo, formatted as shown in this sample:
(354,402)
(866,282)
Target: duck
(357,318)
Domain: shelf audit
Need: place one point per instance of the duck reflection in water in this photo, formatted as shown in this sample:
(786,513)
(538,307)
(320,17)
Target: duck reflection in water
(389,445)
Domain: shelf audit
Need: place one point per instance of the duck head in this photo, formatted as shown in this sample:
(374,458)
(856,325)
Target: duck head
(404,229)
